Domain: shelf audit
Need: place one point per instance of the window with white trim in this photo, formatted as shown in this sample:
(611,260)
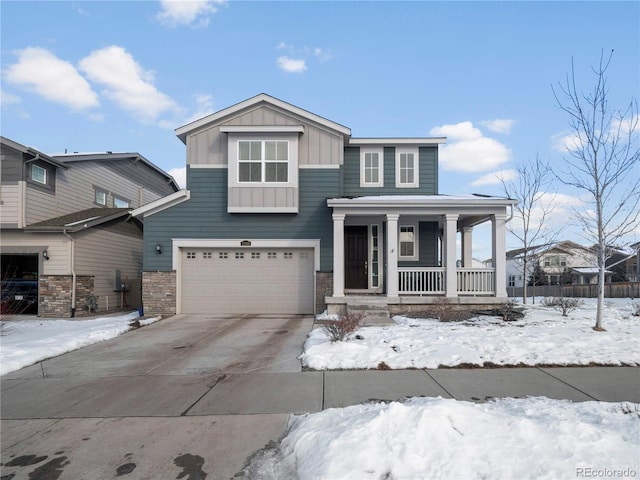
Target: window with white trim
(39,174)
(407,244)
(120,202)
(263,161)
(101,197)
(406,168)
(372,168)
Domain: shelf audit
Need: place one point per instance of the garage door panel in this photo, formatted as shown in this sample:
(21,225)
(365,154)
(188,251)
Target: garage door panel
(247,280)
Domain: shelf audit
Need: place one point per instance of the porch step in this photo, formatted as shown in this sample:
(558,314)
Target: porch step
(373,314)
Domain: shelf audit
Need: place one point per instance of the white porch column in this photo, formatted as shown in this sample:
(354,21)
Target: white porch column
(467,247)
(499,253)
(338,254)
(392,255)
(450,230)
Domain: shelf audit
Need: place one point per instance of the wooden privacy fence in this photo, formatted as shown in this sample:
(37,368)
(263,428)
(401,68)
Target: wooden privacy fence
(611,290)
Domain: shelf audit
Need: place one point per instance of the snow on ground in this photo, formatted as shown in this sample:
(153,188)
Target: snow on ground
(25,342)
(435,438)
(544,336)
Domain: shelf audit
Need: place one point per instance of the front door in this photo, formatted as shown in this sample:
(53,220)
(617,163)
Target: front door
(356,267)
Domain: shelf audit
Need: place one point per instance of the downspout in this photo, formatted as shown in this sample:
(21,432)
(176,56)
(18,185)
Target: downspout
(73,273)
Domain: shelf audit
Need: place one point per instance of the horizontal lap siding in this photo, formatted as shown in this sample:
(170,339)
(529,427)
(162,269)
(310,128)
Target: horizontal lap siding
(427,173)
(204,216)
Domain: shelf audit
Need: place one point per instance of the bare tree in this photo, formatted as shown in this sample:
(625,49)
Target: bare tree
(529,187)
(603,162)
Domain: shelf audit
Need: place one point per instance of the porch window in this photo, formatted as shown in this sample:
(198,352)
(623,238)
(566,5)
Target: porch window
(371,171)
(263,161)
(406,168)
(407,242)
(375,257)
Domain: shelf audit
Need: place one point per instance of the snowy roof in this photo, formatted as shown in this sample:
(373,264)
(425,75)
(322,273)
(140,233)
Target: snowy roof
(588,270)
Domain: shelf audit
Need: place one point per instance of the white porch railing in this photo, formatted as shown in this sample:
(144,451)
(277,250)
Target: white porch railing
(421,281)
(432,281)
(476,280)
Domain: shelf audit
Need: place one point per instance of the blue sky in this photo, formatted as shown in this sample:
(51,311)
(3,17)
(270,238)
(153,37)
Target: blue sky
(121,75)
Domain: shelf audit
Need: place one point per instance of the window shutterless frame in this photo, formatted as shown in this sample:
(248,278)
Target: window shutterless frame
(263,161)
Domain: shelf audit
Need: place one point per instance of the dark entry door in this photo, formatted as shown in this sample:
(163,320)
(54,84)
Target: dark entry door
(356,257)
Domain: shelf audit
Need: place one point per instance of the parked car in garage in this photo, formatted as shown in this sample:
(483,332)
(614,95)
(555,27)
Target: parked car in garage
(19,296)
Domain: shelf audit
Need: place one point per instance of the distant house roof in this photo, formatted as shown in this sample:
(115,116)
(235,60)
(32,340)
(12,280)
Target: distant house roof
(80,220)
(35,154)
(588,270)
(114,156)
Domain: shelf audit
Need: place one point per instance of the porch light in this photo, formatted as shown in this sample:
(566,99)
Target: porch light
(45,255)
(158,249)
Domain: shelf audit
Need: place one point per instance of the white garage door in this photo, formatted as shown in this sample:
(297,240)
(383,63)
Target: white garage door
(247,280)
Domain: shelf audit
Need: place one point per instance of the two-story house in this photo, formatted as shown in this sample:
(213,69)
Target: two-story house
(286,212)
(67,230)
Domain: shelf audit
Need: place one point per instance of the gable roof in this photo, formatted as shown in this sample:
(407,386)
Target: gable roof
(262,98)
(80,220)
(106,157)
(35,154)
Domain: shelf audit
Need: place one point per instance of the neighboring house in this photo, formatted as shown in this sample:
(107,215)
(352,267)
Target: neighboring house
(286,212)
(563,262)
(66,224)
(623,263)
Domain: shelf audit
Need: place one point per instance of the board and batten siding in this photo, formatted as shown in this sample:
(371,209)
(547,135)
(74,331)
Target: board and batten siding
(427,173)
(99,252)
(317,145)
(204,216)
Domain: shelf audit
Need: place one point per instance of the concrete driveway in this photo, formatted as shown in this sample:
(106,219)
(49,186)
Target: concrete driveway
(140,405)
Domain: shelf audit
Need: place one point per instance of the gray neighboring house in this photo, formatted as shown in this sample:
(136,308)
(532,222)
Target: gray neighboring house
(66,226)
(286,213)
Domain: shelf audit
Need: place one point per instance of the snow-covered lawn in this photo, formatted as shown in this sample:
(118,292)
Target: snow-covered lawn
(435,438)
(25,342)
(543,337)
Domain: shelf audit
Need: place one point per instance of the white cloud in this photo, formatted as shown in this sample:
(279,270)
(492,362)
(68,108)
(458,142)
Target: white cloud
(468,150)
(204,107)
(56,80)
(8,98)
(495,178)
(291,65)
(127,83)
(180,176)
(499,125)
(321,54)
(193,13)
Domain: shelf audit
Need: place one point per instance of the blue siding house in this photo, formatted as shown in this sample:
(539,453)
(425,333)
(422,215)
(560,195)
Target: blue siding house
(286,213)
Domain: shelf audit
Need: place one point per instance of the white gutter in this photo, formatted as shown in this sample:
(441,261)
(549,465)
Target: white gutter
(73,273)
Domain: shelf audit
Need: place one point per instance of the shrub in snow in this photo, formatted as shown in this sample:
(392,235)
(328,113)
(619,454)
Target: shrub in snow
(509,311)
(635,309)
(563,304)
(338,329)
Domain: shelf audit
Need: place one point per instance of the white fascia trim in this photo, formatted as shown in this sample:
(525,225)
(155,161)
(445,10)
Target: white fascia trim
(178,243)
(302,167)
(390,141)
(231,209)
(262,128)
(162,204)
(253,101)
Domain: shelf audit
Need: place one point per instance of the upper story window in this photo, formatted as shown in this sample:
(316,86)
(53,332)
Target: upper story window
(121,202)
(406,168)
(39,174)
(371,168)
(100,197)
(555,261)
(263,161)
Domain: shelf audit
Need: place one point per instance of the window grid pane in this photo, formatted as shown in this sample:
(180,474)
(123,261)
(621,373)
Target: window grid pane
(38,174)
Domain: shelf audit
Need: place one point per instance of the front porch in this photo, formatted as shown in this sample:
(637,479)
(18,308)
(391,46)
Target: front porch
(404,251)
